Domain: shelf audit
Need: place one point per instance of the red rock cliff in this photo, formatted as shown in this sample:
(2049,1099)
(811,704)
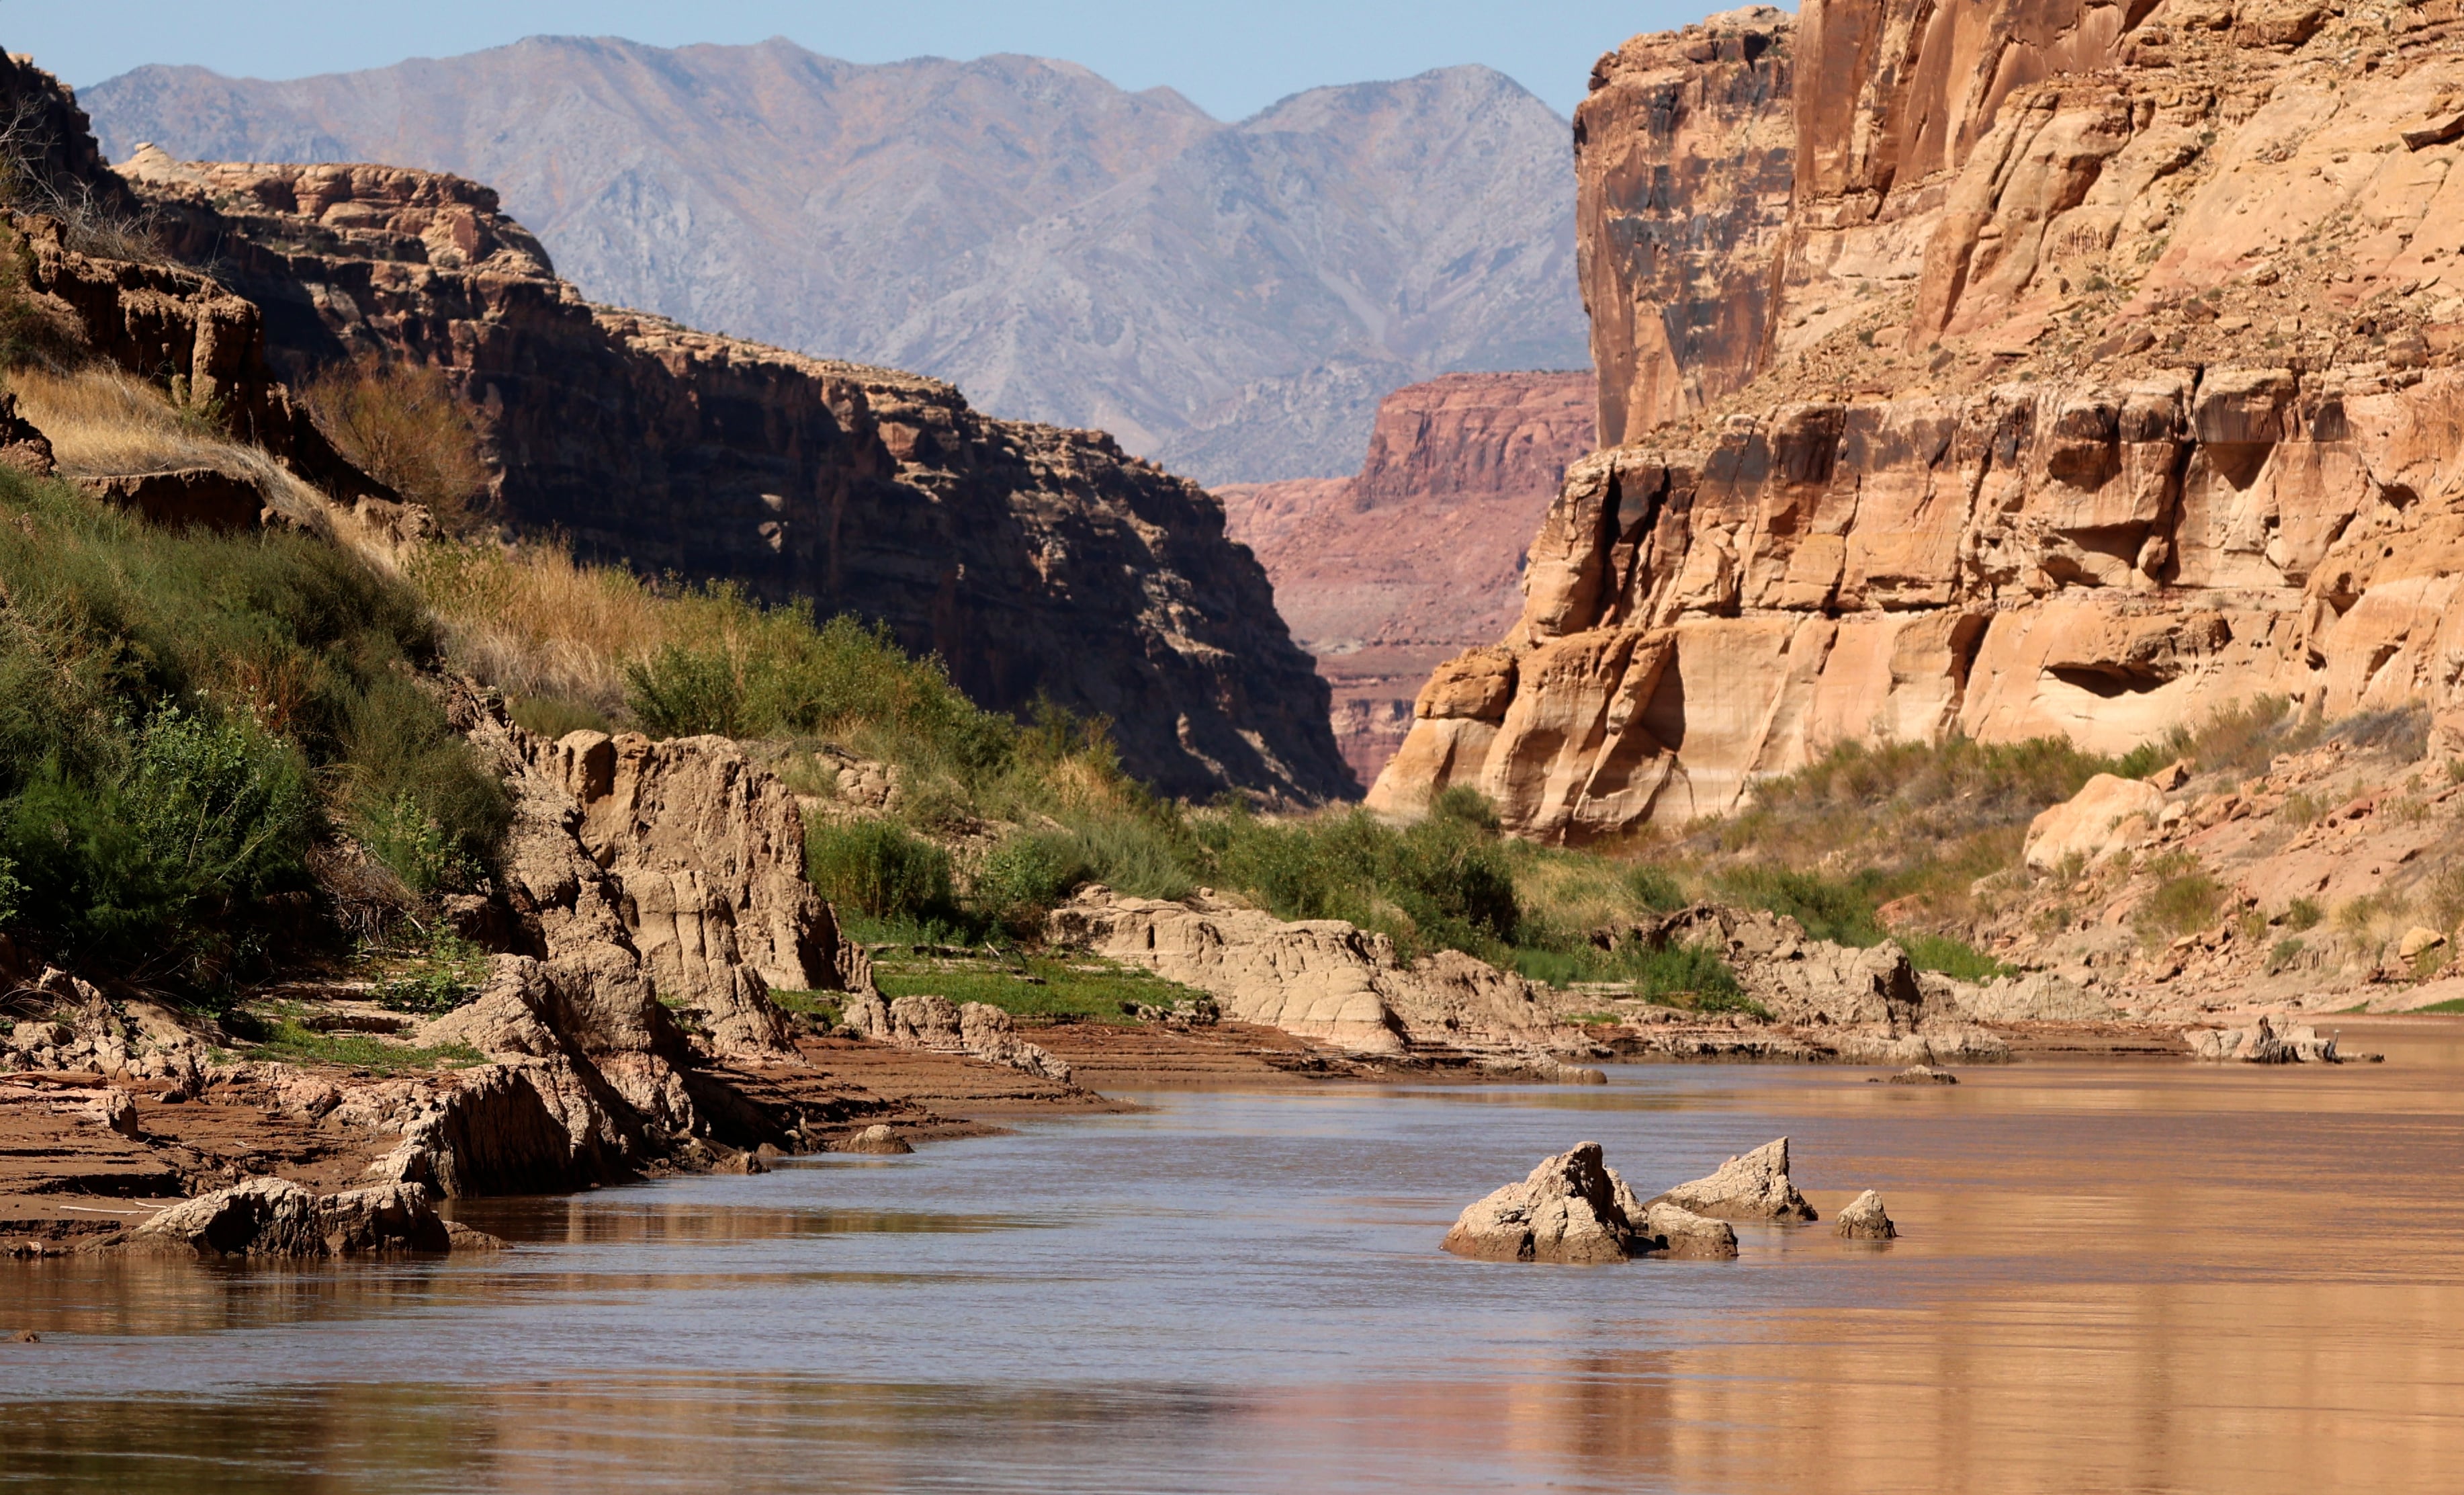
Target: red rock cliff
(1387,573)
(2111,376)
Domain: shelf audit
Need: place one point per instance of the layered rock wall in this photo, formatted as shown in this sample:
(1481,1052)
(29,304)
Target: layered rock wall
(1037,562)
(2095,400)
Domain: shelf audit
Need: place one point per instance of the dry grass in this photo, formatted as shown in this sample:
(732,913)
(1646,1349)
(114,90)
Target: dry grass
(531,621)
(103,422)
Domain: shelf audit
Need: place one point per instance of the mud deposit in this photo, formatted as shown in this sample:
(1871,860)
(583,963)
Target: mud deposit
(2150,1277)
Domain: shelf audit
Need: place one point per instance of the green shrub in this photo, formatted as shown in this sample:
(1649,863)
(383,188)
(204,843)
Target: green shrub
(879,869)
(2285,951)
(1730,1001)
(179,713)
(1654,888)
(682,692)
(2185,901)
(1841,911)
(2302,913)
(409,842)
(1465,804)
(1956,959)
(1697,976)
(154,871)
(1026,874)
(2443,897)
(1142,855)
(1442,883)
(420,800)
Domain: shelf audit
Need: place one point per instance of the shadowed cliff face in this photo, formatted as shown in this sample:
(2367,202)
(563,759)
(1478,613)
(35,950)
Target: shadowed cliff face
(1385,574)
(1037,562)
(1229,299)
(2110,376)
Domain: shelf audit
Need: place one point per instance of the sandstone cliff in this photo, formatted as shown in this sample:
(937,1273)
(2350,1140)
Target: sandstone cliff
(2108,377)
(1036,563)
(1230,298)
(1386,573)
(1684,159)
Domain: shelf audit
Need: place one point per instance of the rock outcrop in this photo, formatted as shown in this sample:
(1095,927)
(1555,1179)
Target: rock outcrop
(1331,980)
(2109,378)
(1565,1212)
(2108,815)
(277,1218)
(1918,1074)
(1753,1186)
(1869,1004)
(977,1029)
(1864,1220)
(1665,1229)
(630,868)
(709,849)
(2268,1041)
(1002,547)
(1385,574)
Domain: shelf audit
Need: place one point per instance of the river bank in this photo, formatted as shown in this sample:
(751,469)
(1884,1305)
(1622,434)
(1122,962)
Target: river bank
(85,1155)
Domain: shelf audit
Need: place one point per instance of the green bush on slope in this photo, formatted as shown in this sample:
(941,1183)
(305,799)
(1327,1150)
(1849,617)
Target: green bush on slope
(182,713)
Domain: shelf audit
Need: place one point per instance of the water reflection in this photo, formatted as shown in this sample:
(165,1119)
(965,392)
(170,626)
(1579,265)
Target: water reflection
(2127,1278)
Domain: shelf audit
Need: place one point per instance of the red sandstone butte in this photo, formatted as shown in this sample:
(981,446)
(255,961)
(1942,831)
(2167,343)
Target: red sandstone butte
(1419,556)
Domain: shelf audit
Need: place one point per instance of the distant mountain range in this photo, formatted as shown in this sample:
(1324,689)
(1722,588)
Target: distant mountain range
(1229,299)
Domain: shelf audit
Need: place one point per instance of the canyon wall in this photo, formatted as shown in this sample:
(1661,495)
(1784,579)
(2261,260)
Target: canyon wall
(1387,573)
(2109,375)
(1037,562)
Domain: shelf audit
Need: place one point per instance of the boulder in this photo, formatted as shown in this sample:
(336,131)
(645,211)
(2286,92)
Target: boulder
(1753,1186)
(276,1217)
(2110,814)
(880,1138)
(2418,941)
(1565,1211)
(1916,1074)
(1329,980)
(1864,1220)
(1665,1229)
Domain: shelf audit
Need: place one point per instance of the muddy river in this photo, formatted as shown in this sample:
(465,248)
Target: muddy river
(2124,1277)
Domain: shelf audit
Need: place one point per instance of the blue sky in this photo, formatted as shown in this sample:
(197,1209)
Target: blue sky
(1231,57)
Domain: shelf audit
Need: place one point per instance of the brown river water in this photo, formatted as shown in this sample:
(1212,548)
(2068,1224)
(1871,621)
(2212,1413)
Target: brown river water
(2136,1277)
